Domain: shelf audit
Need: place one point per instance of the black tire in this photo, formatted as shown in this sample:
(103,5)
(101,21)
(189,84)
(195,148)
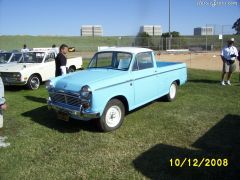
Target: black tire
(34,82)
(172,92)
(71,69)
(107,123)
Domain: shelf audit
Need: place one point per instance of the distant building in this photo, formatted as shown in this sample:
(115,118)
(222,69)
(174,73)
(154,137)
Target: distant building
(91,30)
(203,31)
(152,30)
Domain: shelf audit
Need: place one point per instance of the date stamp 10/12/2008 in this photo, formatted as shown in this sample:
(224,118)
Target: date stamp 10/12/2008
(217,3)
(195,162)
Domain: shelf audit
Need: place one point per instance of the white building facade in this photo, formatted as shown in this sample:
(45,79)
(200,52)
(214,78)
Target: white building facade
(152,30)
(91,30)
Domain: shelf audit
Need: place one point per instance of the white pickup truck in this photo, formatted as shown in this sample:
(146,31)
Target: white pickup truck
(36,66)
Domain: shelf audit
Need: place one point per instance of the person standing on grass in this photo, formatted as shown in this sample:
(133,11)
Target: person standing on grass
(55,49)
(3,105)
(61,61)
(25,49)
(229,54)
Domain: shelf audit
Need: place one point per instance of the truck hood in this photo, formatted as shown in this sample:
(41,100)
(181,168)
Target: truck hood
(95,78)
(16,67)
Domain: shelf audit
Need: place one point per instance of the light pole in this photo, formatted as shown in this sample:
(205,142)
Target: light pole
(169,24)
(206,30)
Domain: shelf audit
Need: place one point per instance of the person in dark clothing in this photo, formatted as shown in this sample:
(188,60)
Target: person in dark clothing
(61,61)
(238,56)
(239,64)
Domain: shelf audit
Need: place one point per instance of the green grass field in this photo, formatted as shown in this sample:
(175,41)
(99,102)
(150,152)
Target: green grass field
(90,44)
(80,43)
(203,122)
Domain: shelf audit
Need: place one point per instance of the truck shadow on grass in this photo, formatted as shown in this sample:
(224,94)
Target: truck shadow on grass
(221,142)
(15,88)
(162,99)
(205,81)
(36,99)
(49,119)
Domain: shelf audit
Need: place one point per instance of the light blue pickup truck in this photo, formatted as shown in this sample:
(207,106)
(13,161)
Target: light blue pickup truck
(116,81)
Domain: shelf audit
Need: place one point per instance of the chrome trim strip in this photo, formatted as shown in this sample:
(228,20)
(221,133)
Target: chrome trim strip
(113,85)
(139,78)
(160,73)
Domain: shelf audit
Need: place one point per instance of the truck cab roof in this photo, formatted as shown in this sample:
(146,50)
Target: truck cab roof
(133,50)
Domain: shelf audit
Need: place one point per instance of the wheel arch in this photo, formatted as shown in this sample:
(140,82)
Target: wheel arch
(123,99)
(72,66)
(36,74)
(177,81)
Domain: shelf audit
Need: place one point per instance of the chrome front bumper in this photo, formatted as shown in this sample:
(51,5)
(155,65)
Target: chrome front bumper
(81,114)
(12,82)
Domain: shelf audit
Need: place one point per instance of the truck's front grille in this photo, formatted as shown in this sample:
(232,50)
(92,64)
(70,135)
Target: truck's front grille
(69,99)
(7,74)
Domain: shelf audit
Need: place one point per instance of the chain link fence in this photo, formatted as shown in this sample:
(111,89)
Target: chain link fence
(193,43)
(209,42)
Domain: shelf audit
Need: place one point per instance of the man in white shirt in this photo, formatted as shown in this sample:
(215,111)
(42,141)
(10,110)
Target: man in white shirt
(61,61)
(55,49)
(229,55)
(24,49)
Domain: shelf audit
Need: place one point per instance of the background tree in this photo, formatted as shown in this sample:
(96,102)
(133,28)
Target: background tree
(166,35)
(236,26)
(174,34)
(143,39)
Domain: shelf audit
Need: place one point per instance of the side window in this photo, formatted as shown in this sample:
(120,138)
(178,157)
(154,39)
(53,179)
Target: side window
(143,61)
(50,57)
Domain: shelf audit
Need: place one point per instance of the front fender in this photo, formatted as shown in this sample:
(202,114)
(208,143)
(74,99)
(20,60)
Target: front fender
(101,97)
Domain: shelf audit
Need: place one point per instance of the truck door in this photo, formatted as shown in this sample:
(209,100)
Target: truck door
(49,66)
(144,78)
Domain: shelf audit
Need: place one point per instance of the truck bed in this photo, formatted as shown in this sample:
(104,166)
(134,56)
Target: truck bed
(164,64)
(169,66)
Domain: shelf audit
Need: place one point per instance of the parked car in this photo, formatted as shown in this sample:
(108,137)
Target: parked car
(10,57)
(35,67)
(117,80)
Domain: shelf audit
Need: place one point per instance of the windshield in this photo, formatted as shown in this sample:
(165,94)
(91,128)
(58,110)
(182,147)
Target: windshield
(111,60)
(32,57)
(16,57)
(4,57)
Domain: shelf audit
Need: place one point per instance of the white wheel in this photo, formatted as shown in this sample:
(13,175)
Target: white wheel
(34,82)
(113,116)
(172,92)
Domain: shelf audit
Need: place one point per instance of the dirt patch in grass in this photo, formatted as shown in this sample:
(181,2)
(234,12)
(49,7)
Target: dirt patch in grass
(206,61)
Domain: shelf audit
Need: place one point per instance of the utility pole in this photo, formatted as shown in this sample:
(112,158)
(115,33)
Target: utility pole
(222,38)
(206,30)
(169,25)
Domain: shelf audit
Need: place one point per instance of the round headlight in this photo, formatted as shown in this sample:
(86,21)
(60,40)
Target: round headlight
(16,75)
(49,84)
(85,92)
